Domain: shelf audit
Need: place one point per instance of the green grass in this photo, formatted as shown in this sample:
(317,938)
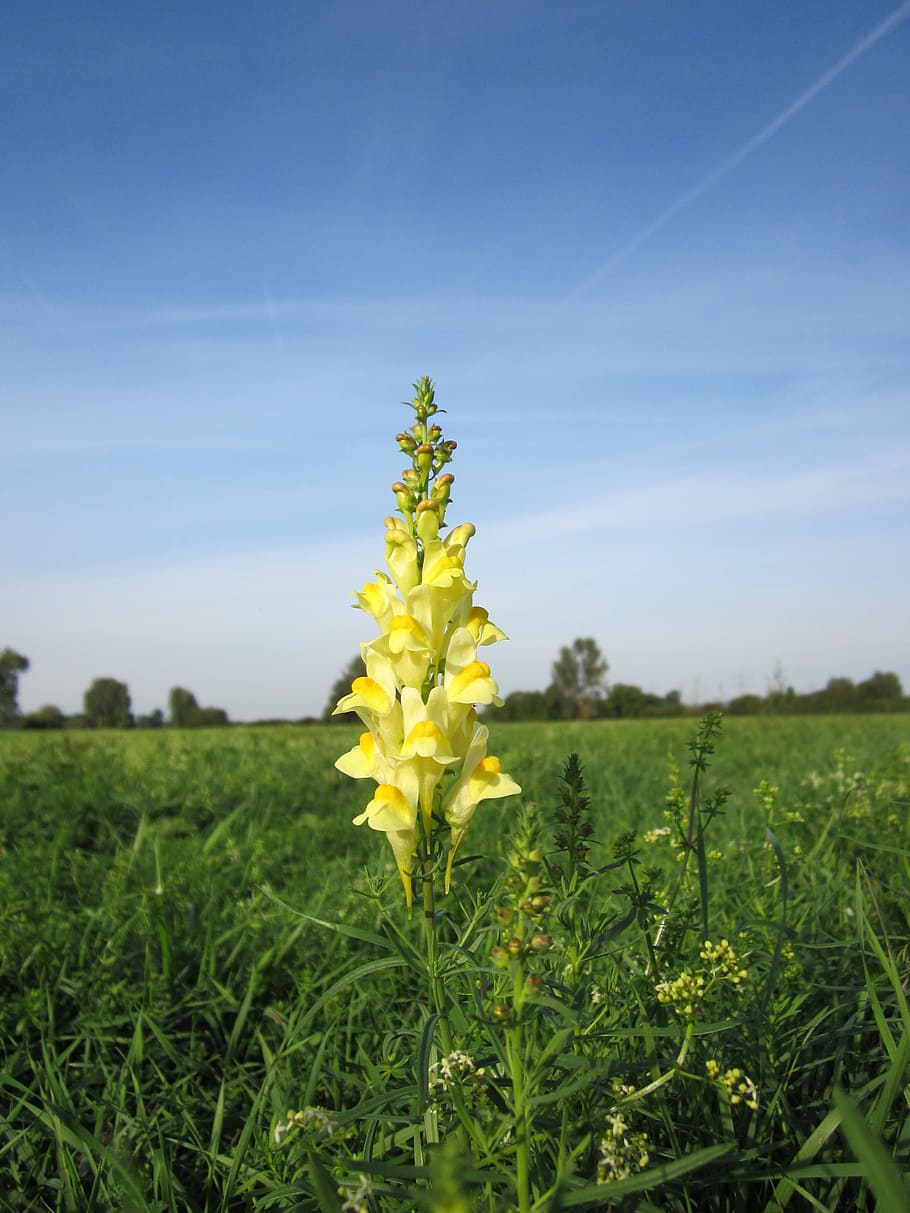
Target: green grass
(163,1004)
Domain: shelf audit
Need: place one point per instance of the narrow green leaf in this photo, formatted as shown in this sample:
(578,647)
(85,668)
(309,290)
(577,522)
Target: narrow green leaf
(891,1193)
(325,1189)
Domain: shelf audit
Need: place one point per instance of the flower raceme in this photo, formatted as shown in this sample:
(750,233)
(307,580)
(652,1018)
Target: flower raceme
(424,746)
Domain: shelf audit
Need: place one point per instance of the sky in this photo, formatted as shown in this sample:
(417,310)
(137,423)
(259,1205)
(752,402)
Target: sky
(655,255)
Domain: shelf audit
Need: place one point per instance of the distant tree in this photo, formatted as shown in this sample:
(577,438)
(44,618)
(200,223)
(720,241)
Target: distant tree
(209,718)
(625,701)
(12,664)
(881,692)
(670,705)
(107,705)
(524,705)
(341,687)
(152,720)
(187,714)
(181,705)
(579,678)
(747,705)
(47,717)
(839,695)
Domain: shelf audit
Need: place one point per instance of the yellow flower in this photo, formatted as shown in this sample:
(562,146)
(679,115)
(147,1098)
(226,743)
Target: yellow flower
(379,599)
(367,760)
(401,555)
(479,625)
(423,746)
(407,647)
(481,778)
(467,680)
(372,694)
(393,811)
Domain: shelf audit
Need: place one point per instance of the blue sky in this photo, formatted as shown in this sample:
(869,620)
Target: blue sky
(655,255)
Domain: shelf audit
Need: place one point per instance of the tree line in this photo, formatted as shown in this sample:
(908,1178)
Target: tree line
(106,704)
(578,690)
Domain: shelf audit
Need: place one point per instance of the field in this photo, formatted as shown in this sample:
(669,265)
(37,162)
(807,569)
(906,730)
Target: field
(166,1006)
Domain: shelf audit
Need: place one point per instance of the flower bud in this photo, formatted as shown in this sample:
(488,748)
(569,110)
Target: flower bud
(403,497)
(406,442)
(541,943)
(514,946)
(540,902)
(434,433)
(533,985)
(428,520)
(423,457)
(458,537)
(501,1011)
(443,487)
(500,957)
(504,914)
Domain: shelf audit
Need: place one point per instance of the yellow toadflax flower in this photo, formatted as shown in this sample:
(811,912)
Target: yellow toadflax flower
(423,746)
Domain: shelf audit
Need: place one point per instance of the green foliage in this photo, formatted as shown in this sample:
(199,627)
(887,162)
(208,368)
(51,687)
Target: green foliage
(46,717)
(165,1008)
(579,678)
(12,664)
(106,705)
(181,705)
(186,713)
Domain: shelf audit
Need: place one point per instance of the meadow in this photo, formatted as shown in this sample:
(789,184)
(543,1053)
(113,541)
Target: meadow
(213,1000)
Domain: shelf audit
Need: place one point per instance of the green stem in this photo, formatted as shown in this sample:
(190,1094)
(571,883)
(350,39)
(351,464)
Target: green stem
(653,966)
(429,931)
(516,1067)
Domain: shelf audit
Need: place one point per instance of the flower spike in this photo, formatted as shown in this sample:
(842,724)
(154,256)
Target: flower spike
(423,746)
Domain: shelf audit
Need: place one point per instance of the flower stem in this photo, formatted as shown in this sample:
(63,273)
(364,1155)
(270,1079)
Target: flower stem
(437,996)
(522,1178)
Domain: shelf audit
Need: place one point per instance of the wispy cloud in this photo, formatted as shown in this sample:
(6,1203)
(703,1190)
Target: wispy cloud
(761,137)
(718,496)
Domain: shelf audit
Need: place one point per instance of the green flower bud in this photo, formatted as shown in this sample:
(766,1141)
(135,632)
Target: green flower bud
(403,497)
(533,985)
(443,487)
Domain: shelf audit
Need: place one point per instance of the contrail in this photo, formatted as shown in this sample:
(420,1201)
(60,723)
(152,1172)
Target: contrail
(882,30)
